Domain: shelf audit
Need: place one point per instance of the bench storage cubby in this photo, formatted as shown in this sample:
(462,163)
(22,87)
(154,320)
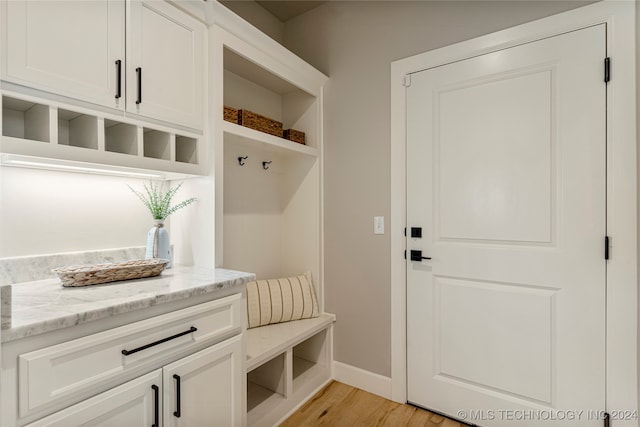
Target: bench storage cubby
(286,364)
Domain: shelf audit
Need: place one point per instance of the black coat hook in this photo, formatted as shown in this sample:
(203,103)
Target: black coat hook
(241,160)
(265,165)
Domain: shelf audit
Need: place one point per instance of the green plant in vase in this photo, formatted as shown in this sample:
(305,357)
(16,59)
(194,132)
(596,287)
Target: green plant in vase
(158,201)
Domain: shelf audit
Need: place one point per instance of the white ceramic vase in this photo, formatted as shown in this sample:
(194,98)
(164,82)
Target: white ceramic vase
(158,243)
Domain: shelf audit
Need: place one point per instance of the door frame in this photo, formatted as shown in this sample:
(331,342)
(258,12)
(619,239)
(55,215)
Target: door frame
(621,293)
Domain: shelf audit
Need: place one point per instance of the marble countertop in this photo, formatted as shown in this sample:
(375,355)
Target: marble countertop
(33,308)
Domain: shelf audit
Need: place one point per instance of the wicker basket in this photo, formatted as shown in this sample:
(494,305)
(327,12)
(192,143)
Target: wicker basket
(256,121)
(294,135)
(85,275)
(231,114)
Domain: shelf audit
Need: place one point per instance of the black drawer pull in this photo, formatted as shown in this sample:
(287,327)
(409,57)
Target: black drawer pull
(163,340)
(156,408)
(176,413)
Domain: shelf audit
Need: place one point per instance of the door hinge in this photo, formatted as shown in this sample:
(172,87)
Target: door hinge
(606,419)
(405,231)
(405,254)
(606,247)
(407,80)
(607,69)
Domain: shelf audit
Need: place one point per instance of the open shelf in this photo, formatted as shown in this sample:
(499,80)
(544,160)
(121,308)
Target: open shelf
(242,135)
(266,380)
(260,404)
(157,144)
(302,368)
(253,72)
(25,119)
(186,149)
(77,129)
(120,137)
(248,85)
(82,140)
(308,361)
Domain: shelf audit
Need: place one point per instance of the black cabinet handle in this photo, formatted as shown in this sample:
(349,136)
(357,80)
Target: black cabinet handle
(139,73)
(163,340)
(176,413)
(118,79)
(156,408)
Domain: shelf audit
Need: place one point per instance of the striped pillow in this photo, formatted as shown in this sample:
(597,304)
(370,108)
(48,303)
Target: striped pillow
(281,300)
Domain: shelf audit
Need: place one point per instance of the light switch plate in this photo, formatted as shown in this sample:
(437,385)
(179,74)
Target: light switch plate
(378,225)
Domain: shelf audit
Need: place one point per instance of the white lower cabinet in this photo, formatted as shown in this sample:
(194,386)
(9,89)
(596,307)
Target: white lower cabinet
(184,368)
(135,403)
(203,389)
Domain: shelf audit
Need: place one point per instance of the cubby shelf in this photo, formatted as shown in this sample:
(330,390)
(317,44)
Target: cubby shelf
(49,131)
(25,119)
(286,363)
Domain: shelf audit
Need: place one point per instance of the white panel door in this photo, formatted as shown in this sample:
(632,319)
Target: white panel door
(135,403)
(165,63)
(506,179)
(205,389)
(67,47)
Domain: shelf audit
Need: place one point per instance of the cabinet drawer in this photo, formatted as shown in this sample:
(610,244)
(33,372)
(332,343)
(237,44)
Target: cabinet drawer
(68,371)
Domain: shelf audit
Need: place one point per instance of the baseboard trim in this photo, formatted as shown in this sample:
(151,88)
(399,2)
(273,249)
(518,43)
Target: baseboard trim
(365,380)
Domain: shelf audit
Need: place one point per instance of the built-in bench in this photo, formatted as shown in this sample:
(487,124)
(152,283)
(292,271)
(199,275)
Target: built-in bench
(286,364)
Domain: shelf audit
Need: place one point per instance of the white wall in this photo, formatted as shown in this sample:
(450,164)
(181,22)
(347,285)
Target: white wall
(354,44)
(43,212)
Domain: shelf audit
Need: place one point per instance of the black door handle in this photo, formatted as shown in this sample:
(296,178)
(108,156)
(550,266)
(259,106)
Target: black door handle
(118,79)
(156,409)
(176,413)
(417,256)
(139,72)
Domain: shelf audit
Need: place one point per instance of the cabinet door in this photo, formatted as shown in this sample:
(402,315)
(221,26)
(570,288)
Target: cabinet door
(164,63)
(66,47)
(206,388)
(135,403)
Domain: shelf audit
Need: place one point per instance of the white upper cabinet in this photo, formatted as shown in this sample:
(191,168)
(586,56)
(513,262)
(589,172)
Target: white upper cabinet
(164,63)
(77,49)
(70,48)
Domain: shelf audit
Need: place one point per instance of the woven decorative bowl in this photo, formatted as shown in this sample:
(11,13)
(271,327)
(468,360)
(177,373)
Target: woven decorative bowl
(85,275)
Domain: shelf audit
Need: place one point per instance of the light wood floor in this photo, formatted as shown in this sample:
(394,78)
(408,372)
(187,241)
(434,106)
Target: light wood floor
(341,405)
